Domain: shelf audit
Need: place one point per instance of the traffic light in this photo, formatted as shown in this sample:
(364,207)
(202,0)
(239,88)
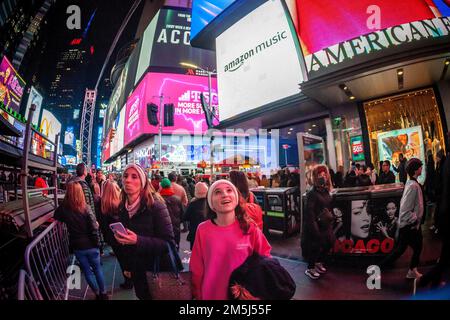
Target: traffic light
(152,114)
(168,115)
(208,114)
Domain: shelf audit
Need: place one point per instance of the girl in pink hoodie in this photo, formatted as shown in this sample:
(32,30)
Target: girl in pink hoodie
(223,243)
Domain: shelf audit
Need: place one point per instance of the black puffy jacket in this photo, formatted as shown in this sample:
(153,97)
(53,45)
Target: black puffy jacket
(154,229)
(176,212)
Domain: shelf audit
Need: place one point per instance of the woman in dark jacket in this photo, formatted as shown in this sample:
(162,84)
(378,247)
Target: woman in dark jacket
(108,213)
(196,211)
(174,206)
(318,232)
(149,228)
(83,236)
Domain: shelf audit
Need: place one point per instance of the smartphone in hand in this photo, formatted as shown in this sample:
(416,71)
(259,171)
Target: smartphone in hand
(118,227)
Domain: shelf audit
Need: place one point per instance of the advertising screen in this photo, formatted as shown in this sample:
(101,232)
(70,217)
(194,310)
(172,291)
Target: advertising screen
(69,136)
(119,125)
(50,126)
(407,141)
(11,85)
(311,151)
(36,99)
(71,160)
(181,90)
(365,227)
(258,61)
(357,148)
(335,31)
(205,11)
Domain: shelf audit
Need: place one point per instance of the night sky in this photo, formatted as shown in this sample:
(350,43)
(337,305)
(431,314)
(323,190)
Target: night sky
(109,15)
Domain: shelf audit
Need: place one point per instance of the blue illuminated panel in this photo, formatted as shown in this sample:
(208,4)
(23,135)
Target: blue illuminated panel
(205,11)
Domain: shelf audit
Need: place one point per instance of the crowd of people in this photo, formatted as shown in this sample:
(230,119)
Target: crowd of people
(324,220)
(222,221)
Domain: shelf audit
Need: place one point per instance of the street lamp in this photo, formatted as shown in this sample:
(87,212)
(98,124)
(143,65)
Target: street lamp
(210,74)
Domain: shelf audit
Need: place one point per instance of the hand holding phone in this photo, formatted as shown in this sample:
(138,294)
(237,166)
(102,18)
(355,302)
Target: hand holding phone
(118,227)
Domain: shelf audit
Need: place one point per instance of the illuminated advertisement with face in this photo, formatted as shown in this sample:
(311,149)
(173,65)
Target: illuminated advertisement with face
(332,32)
(408,142)
(366,226)
(182,91)
(11,85)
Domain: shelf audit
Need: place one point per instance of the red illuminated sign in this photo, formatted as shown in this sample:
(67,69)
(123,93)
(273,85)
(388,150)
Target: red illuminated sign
(76,41)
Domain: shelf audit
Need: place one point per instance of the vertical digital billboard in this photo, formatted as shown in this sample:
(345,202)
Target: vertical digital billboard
(36,99)
(11,85)
(258,60)
(69,136)
(181,90)
(50,126)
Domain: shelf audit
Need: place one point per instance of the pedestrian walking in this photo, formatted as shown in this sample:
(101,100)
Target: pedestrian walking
(386,176)
(83,236)
(175,207)
(410,219)
(196,211)
(318,232)
(149,228)
(401,168)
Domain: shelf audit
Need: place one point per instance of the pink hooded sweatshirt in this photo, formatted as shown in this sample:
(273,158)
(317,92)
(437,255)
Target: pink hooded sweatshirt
(217,252)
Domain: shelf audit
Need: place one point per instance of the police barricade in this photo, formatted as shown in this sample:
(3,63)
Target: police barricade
(47,258)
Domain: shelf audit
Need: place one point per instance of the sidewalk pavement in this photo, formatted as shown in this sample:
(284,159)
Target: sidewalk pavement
(343,281)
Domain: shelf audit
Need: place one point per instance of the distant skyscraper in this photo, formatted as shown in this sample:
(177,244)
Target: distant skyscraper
(16,17)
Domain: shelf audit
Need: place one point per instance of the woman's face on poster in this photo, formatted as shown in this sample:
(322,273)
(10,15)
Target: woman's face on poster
(361,219)
(391,209)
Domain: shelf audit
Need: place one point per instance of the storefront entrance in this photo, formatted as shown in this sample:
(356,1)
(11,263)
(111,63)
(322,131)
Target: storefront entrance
(409,123)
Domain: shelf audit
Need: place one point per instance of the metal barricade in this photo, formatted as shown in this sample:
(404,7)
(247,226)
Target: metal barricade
(47,258)
(28,288)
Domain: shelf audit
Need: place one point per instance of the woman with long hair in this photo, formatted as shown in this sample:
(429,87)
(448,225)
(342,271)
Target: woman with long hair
(318,231)
(149,228)
(83,236)
(223,243)
(108,214)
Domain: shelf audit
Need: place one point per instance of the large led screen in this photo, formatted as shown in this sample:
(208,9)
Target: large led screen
(205,11)
(36,99)
(258,61)
(50,126)
(166,44)
(183,91)
(408,142)
(11,85)
(332,32)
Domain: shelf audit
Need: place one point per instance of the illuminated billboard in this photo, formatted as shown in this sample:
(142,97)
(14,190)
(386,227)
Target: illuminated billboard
(258,61)
(408,142)
(166,43)
(69,136)
(34,98)
(11,85)
(116,143)
(181,90)
(205,11)
(50,126)
(333,32)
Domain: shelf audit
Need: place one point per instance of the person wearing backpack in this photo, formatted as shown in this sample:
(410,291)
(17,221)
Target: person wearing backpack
(254,211)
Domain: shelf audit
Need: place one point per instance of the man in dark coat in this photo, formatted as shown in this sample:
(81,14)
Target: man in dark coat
(386,176)
(401,169)
(175,207)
